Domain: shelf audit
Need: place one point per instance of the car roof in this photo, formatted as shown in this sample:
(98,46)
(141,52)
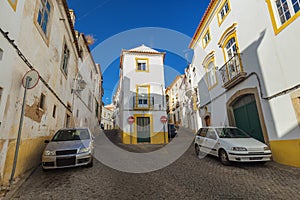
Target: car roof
(219,127)
(75,128)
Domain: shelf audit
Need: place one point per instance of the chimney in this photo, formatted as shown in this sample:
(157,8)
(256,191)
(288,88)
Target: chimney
(72,14)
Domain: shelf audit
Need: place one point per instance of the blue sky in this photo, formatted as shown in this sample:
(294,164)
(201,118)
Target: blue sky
(163,25)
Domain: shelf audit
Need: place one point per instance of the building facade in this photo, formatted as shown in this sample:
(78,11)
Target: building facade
(246,53)
(36,35)
(175,99)
(191,99)
(141,98)
(107,118)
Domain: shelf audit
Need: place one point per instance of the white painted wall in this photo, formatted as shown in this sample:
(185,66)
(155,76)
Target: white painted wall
(130,79)
(272,57)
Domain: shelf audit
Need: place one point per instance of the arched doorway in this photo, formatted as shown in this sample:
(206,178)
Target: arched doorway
(246,116)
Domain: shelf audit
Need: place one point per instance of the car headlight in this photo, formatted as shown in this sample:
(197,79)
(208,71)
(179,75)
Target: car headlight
(239,149)
(49,153)
(84,150)
(267,148)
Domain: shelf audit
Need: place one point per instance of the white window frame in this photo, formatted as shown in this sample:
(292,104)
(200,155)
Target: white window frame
(225,8)
(142,64)
(280,24)
(231,49)
(206,38)
(143,99)
(211,74)
(44,12)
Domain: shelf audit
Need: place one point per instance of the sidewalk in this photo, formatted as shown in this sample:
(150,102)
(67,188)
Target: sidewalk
(7,193)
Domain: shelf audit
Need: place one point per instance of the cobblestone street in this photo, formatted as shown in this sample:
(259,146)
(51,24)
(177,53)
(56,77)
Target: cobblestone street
(187,178)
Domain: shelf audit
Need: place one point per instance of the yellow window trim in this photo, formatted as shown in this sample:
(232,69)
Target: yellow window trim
(204,44)
(208,57)
(278,29)
(212,59)
(229,31)
(137,95)
(13,5)
(147,64)
(226,39)
(220,21)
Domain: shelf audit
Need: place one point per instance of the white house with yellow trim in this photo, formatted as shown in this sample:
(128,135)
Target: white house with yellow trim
(191,115)
(247,52)
(107,118)
(175,99)
(141,96)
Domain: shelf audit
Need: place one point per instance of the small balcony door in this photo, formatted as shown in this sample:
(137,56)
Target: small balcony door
(231,52)
(143,98)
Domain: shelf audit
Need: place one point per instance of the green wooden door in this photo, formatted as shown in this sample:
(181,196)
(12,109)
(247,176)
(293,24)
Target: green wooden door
(247,118)
(143,129)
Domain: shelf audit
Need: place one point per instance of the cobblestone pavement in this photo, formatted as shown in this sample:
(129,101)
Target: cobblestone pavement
(187,178)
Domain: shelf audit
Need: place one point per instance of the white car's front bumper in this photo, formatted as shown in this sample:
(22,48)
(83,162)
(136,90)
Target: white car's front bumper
(246,156)
(63,161)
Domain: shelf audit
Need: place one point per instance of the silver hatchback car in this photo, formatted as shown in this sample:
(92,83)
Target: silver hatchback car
(69,147)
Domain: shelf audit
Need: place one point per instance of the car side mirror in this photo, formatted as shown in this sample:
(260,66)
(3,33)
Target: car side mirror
(46,141)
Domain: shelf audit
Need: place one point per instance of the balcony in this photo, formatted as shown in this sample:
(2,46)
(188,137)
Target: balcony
(143,102)
(232,72)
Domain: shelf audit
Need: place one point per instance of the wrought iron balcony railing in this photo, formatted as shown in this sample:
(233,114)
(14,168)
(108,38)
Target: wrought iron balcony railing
(143,102)
(232,72)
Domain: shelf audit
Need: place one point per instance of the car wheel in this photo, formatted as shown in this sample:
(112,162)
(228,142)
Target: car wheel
(197,149)
(91,163)
(224,157)
(262,162)
(45,170)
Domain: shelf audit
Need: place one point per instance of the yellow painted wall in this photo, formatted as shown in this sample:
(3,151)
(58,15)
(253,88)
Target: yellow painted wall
(126,138)
(30,155)
(286,152)
(158,138)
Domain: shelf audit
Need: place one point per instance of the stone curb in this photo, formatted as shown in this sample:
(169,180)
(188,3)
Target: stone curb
(16,185)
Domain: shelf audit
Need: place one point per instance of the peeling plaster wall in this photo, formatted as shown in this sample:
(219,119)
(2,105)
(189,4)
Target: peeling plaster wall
(87,69)
(39,124)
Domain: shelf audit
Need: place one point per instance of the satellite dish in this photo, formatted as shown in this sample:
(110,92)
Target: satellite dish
(33,81)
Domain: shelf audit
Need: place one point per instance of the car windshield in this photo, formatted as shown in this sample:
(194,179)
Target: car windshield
(72,134)
(231,133)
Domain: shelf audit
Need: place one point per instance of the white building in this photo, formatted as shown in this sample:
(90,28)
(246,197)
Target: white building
(36,35)
(191,98)
(107,118)
(175,99)
(247,54)
(87,89)
(141,96)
